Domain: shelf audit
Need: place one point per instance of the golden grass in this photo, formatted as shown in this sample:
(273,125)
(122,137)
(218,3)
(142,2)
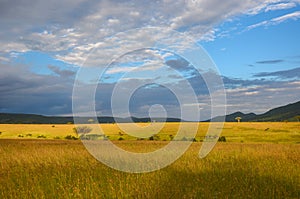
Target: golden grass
(277,132)
(259,160)
(49,130)
(64,169)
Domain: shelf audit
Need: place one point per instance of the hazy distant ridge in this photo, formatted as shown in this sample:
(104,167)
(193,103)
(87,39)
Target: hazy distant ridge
(283,113)
(13,118)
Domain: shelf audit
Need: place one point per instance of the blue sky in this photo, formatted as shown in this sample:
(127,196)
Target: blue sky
(244,48)
(254,44)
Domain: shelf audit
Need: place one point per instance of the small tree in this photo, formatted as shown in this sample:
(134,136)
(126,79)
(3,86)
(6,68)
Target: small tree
(238,119)
(298,118)
(91,121)
(82,131)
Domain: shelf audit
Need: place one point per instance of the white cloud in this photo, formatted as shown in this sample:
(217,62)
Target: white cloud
(76,24)
(272,5)
(280,6)
(294,16)
(120,70)
(267,96)
(71,29)
(277,20)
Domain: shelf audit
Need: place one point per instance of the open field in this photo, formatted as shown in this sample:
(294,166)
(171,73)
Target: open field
(259,160)
(64,169)
(276,132)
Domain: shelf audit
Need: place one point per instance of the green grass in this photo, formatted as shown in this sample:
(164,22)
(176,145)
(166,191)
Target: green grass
(64,169)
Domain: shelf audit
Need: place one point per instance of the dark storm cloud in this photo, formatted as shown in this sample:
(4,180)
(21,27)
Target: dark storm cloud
(275,61)
(20,17)
(40,11)
(183,67)
(178,64)
(236,82)
(62,73)
(26,92)
(285,74)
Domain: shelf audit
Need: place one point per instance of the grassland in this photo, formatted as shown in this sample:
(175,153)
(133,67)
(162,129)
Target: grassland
(259,160)
(276,132)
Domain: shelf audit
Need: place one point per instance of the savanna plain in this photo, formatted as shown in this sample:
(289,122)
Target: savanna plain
(255,160)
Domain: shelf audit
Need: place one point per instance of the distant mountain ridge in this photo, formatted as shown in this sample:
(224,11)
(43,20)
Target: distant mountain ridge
(16,118)
(283,113)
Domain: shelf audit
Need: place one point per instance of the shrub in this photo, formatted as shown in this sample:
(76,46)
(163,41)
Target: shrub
(20,135)
(82,129)
(28,135)
(184,139)
(71,137)
(57,137)
(222,139)
(120,138)
(0,132)
(91,136)
(41,136)
(154,137)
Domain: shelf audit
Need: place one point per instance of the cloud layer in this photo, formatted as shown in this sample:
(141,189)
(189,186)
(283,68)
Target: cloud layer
(68,30)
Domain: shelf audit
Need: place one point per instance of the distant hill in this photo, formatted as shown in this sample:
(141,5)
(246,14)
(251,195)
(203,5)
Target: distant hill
(283,113)
(14,118)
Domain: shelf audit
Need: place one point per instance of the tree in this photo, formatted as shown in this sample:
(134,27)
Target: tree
(238,119)
(82,131)
(91,121)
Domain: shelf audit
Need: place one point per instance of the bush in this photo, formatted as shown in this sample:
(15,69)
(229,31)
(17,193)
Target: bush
(57,137)
(0,132)
(20,135)
(41,136)
(222,139)
(91,137)
(71,137)
(82,129)
(154,137)
(184,139)
(120,138)
(28,135)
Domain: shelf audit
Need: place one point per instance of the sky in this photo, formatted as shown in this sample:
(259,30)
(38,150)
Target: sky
(158,58)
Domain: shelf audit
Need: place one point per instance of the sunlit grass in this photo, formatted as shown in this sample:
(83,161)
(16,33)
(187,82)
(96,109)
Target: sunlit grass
(276,132)
(64,169)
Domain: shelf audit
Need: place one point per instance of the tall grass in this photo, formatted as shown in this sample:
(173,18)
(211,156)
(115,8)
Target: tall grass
(276,132)
(64,169)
